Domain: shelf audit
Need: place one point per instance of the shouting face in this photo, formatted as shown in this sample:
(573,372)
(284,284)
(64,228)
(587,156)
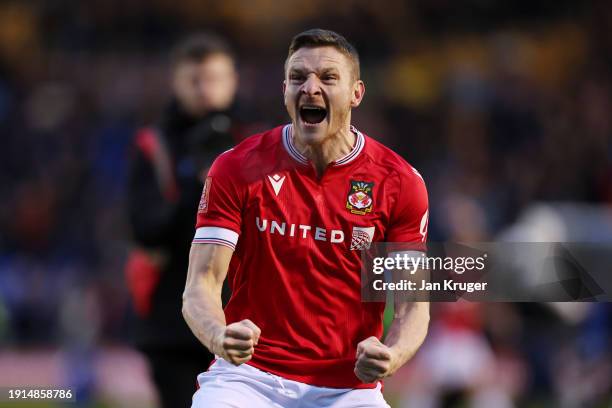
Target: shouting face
(320,89)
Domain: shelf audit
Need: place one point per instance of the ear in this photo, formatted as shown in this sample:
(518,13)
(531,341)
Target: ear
(358,93)
(284,86)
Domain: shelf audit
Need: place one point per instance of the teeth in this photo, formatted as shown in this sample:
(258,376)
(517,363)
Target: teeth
(312,107)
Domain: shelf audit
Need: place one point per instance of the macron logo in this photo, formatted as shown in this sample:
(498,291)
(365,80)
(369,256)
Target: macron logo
(277,182)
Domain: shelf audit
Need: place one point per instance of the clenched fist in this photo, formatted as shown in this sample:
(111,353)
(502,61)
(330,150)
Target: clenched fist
(374,360)
(236,344)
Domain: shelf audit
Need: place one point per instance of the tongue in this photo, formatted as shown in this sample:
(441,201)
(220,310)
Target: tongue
(313,115)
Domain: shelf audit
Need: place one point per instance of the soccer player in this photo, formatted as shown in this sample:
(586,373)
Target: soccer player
(285,214)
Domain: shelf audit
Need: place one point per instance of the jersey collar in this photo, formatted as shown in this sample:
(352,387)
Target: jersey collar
(299,157)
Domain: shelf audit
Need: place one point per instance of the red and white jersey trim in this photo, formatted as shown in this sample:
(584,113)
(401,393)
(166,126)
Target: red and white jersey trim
(359,144)
(216,235)
(299,157)
(288,143)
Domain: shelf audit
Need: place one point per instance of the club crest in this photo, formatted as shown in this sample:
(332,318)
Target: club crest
(359,199)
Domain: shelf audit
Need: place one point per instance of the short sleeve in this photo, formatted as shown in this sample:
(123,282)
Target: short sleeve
(219,216)
(410,216)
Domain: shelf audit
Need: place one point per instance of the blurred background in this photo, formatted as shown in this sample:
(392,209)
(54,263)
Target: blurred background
(504,107)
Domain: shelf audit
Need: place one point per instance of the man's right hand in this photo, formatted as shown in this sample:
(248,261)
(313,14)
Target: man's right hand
(236,344)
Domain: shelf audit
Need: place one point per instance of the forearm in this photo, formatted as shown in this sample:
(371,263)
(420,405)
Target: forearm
(204,317)
(202,307)
(407,331)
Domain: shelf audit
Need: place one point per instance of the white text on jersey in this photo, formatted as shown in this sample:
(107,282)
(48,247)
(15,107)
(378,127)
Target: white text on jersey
(299,230)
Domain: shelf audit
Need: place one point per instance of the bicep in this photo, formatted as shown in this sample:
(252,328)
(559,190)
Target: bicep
(208,265)
(410,217)
(403,309)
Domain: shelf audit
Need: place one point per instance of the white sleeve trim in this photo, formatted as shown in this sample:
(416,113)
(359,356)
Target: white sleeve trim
(216,235)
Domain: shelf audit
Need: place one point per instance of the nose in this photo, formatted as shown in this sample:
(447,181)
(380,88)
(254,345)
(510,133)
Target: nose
(311,86)
(201,88)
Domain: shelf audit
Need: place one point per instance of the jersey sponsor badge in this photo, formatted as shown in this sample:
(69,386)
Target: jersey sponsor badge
(203,206)
(359,199)
(361,238)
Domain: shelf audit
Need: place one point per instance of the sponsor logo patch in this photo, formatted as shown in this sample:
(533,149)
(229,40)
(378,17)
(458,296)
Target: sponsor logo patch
(359,199)
(203,207)
(361,238)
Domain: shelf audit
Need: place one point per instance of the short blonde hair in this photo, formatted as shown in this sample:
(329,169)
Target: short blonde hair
(318,37)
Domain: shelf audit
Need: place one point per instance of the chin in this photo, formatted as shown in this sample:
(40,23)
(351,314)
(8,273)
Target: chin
(311,135)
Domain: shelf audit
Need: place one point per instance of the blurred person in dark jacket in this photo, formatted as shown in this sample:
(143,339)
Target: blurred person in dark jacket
(169,165)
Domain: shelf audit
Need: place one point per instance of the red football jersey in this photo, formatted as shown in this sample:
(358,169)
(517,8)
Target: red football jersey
(296,266)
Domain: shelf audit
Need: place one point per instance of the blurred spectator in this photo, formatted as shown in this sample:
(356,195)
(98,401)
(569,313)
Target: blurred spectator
(169,166)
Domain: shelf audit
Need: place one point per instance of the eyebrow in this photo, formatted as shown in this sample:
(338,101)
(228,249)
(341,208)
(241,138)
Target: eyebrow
(326,70)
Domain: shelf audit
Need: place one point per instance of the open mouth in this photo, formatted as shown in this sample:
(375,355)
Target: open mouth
(312,115)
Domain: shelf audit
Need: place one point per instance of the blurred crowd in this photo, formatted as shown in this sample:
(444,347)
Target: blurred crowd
(501,108)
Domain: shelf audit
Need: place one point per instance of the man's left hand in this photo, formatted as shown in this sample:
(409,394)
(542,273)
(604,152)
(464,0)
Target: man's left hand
(374,360)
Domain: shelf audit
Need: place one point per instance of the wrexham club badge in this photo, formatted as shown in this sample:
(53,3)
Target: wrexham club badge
(359,199)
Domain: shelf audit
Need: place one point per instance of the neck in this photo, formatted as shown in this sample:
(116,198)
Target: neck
(334,147)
